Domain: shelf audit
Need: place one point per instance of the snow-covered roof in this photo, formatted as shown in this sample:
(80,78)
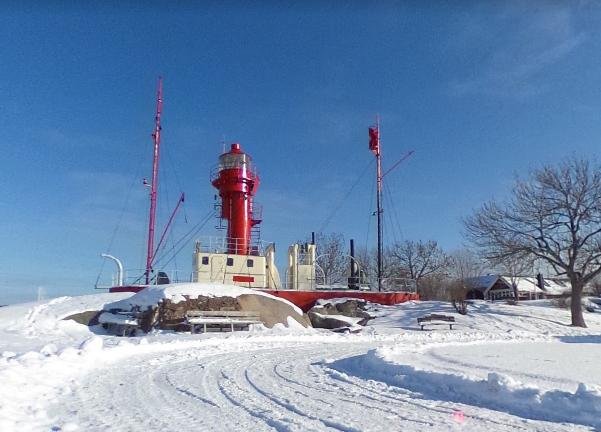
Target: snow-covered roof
(483,283)
(553,286)
(557,286)
(526,284)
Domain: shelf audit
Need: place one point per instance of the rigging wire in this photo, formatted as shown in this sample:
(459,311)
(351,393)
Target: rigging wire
(165,209)
(177,180)
(341,202)
(113,236)
(174,260)
(392,225)
(393,216)
(200,226)
(186,237)
(386,217)
(165,203)
(192,232)
(370,217)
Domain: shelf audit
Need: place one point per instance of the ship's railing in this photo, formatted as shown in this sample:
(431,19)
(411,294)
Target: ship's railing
(251,171)
(388,285)
(257,212)
(136,276)
(340,287)
(210,244)
(399,284)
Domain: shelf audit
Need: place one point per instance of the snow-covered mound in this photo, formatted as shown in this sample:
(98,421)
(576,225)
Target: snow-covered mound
(30,326)
(178,292)
(165,305)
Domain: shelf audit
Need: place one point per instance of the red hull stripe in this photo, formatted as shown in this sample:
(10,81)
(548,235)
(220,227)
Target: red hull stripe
(237,278)
(306,299)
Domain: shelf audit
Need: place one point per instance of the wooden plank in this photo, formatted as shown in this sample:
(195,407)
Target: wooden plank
(435,317)
(232,324)
(222,313)
(197,320)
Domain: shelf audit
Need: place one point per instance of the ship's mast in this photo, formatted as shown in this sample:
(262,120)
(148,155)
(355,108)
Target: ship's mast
(379,204)
(374,146)
(156,138)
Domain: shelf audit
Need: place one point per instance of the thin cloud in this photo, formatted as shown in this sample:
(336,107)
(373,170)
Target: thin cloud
(532,42)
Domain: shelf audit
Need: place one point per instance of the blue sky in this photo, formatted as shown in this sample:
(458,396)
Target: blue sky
(482,91)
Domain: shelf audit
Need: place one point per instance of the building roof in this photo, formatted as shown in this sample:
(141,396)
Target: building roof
(486,282)
(553,286)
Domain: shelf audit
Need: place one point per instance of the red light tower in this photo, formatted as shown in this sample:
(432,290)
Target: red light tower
(237,182)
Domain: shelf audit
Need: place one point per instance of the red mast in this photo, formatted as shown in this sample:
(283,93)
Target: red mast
(156,138)
(374,146)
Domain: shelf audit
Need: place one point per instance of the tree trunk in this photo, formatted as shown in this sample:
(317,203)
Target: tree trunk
(576,302)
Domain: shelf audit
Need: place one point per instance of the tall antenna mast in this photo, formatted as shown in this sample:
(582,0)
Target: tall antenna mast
(374,146)
(156,138)
(379,204)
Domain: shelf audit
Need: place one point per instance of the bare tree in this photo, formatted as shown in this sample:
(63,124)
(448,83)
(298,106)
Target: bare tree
(465,264)
(331,257)
(419,259)
(554,216)
(596,287)
(368,261)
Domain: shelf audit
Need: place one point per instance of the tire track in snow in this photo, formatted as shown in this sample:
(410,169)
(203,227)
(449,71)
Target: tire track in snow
(282,386)
(272,418)
(363,399)
(287,404)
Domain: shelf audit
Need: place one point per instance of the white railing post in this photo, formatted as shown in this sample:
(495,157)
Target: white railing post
(119,268)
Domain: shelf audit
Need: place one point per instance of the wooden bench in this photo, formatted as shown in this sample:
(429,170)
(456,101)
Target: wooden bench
(435,319)
(221,319)
(124,323)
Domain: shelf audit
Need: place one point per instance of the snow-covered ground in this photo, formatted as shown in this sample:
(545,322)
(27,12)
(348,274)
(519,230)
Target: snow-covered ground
(502,368)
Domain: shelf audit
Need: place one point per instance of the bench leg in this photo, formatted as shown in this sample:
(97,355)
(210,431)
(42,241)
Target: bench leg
(422,326)
(232,326)
(205,327)
(450,326)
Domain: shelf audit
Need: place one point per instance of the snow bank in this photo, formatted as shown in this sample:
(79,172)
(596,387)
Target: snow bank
(29,326)
(351,321)
(45,314)
(43,358)
(111,318)
(175,292)
(497,392)
(338,300)
(33,380)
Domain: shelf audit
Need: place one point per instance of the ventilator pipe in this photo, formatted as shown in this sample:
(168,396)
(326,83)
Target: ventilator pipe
(119,268)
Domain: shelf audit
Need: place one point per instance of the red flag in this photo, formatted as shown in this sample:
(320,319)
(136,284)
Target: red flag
(374,140)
